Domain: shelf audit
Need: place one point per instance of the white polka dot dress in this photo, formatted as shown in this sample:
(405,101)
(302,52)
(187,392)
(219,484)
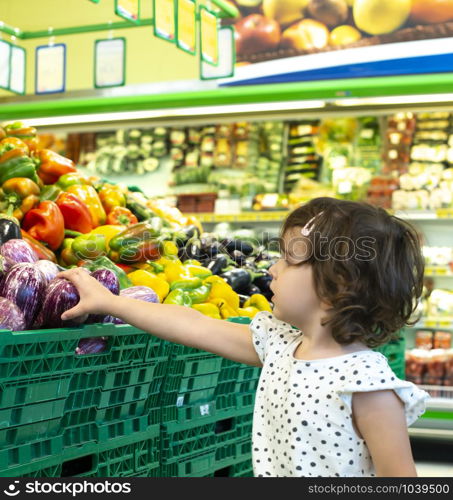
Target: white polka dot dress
(303,417)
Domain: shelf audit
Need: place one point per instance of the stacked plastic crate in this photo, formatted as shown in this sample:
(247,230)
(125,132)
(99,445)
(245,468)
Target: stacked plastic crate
(207,414)
(63,414)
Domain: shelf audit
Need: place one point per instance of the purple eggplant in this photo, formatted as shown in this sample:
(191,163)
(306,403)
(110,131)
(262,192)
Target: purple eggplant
(60,296)
(135,292)
(48,268)
(18,251)
(110,281)
(25,285)
(11,317)
(92,345)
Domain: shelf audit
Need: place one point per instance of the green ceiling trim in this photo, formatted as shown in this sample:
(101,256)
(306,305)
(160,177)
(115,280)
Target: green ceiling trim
(226,10)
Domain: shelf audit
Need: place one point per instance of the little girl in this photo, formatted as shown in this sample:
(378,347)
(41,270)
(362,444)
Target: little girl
(327,404)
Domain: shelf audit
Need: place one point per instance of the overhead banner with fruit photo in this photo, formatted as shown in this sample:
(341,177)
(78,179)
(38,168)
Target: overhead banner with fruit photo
(331,39)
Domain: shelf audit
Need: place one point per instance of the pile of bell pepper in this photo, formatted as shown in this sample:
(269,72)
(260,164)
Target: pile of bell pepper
(76,220)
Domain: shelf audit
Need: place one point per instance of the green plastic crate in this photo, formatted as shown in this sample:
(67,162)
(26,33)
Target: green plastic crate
(235,403)
(231,453)
(130,454)
(36,354)
(395,353)
(234,428)
(242,469)
(182,443)
(197,465)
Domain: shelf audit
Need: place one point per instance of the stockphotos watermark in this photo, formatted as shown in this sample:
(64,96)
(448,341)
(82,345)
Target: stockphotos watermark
(36,487)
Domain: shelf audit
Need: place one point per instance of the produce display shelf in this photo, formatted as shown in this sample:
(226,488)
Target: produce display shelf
(438,271)
(270,216)
(445,323)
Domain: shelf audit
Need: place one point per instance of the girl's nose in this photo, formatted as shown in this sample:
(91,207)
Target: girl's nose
(273,271)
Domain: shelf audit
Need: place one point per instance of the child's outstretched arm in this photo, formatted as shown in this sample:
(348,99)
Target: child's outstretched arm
(380,420)
(174,323)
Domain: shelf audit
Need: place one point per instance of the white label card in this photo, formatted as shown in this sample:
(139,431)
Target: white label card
(110,58)
(50,68)
(225,67)
(5,51)
(17,76)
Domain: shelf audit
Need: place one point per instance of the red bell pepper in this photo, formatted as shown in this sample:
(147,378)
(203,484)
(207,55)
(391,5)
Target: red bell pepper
(121,216)
(51,165)
(46,224)
(76,215)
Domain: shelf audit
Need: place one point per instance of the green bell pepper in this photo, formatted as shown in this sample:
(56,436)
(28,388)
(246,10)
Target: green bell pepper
(19,166)
(89,246)
(49,192)
(106,263)
(200,294)
(186,284)
(179,298)
(157,268)
(133,235)
(70,179)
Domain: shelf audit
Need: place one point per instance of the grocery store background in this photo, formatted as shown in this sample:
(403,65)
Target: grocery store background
(325,106)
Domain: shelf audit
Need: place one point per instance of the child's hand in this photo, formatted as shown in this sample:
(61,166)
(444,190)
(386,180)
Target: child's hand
(94,297)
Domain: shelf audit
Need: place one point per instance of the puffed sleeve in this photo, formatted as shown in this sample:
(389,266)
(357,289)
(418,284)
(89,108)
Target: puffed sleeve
(374,374)
(270,335)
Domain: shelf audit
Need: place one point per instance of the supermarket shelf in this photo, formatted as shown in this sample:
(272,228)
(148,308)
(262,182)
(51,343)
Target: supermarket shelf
(444,323)
(428,433)
(428,215)
(277,216)
(438,271)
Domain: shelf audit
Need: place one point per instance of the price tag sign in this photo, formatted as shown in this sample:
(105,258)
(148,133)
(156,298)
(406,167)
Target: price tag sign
(110,63)
(5,64)
(186,25)
(128,9)
(17,73)
(209,43)
(445,323)
(227,57)
(164,19)
(429,323)
(50,69)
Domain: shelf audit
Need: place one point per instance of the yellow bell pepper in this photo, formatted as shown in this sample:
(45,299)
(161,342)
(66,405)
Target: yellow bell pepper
(249,312)
(108,231)
(258,301)
(169,249)
(175,271)
(145,278)
(225,292)
(198,271)
(226,311)
(208,309)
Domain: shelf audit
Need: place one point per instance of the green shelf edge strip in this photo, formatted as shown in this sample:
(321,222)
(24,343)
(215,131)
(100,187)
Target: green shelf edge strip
(247,94)
(440,415)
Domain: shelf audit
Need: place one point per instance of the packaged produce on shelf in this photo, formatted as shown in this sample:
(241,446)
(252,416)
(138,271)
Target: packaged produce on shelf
(302,157)
(438,256)
(270,29)
(127,151)
(128,242)
(440,303)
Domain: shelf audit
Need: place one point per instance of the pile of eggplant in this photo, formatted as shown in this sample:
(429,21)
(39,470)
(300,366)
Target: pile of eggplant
(32,297)
(243,264)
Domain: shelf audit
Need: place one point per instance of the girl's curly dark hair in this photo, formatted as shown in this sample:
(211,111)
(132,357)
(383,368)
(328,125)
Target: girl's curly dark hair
(367,266)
